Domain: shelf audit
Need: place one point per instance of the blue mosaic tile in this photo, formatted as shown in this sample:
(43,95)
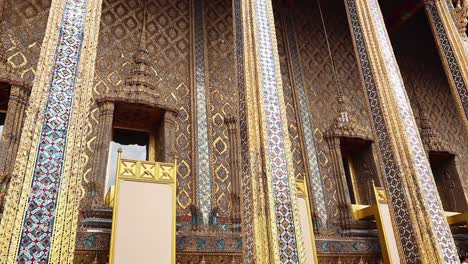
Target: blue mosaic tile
(40,213)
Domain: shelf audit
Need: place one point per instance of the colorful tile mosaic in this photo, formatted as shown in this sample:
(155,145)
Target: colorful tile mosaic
(40,214)
(391,170)
(420,161)
(275,138)
(450,58)
(202,136)
(307,128)
(355,246)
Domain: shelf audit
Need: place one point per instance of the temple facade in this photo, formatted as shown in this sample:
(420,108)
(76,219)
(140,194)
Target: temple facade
(291,131)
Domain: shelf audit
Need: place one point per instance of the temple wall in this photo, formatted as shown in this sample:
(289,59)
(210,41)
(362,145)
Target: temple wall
(168,42)
(319,80)
(171,49)
(22,41)
(223,100)
(428,88)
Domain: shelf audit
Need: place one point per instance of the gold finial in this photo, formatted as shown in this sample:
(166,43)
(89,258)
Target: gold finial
(339,261)
(95,261)
(203,260)
(119,154)
(233,261)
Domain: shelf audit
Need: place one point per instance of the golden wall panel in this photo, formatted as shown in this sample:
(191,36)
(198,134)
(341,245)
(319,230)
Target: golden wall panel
(168,43)
(296,148)
(319,79)
(22,41)
(428,88)
(223,101)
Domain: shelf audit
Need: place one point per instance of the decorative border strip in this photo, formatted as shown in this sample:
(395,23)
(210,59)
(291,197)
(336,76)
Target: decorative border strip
(203,148)
(40,214)
(393,184)
(307,126)
(450,58)
(420,162)
(286,231)
(247,203)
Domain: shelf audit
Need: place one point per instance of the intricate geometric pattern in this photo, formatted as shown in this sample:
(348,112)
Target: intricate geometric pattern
(40,214)
(293,123)
(275,138)
(319,81)
(421,164)
(307,129)
(203,147)
(428,88)
(221,78)
(356,246)
(168,33)
(247,205)
(449,55)
(391,170)
(22,50)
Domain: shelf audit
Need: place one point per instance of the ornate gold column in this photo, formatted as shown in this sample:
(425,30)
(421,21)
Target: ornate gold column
(104,137)
(40,218)
(423,233)
(271,229)
(169,136)
(231,123)
(448,27)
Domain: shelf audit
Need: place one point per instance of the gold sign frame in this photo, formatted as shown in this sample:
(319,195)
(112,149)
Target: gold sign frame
(148,172)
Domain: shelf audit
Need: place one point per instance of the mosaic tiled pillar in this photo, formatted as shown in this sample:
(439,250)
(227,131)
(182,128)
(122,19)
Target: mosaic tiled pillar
(104,138)
(271,229)
(201,111)
(453,52)
(40,218)
(423,233)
